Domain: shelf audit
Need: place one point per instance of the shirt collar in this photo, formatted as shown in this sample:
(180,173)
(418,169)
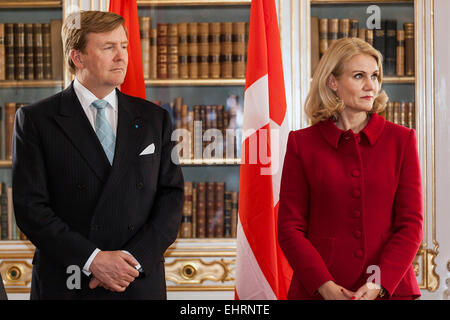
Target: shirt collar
(86,97)
(333,134)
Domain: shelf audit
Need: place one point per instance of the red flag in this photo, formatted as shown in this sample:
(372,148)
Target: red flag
(134,80)
(262,270)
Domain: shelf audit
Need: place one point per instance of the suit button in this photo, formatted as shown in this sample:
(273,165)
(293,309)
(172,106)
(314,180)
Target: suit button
(357,234)
(130,227)
(356,214)
(359,253)
(81,186)
(356,193)
(140,185)
(356,173)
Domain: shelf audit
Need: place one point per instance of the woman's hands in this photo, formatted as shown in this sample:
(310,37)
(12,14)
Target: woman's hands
(331,291)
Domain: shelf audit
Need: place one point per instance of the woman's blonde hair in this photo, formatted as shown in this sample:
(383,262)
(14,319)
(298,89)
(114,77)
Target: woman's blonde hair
(78,25)
(322,102)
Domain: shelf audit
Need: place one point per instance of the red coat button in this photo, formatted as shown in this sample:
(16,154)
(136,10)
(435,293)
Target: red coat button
(356,193)
(356,173)
(357,234)
(359,253)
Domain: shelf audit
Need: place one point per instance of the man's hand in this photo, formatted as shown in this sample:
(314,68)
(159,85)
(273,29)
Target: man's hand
(113,270)
(331,291)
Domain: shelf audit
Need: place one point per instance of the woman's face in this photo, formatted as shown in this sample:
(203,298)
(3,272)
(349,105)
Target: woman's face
(358,85)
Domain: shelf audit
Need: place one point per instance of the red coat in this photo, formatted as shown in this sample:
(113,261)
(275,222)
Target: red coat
(348,202)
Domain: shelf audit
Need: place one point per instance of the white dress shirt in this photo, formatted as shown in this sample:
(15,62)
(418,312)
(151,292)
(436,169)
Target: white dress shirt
(86,98)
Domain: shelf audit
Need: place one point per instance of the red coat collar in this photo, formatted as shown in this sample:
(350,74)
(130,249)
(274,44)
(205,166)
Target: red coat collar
(333,134)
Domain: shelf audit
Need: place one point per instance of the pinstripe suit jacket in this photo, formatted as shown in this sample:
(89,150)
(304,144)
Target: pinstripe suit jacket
(69,200)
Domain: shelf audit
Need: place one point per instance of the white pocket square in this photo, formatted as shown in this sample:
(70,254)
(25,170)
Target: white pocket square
(149,150)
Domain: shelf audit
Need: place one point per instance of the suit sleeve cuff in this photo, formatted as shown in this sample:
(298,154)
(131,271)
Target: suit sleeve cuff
(86,267)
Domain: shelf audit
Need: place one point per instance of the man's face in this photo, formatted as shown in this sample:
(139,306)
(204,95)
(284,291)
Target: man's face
(104,61)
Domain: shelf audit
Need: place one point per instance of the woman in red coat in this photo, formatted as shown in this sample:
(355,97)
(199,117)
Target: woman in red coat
(350,215)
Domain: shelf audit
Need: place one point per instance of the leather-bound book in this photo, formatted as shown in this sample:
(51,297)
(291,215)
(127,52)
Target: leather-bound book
(379,41)
(391,47)
(186,214)
(227,215)
(29,64)
(162,51)
(403,115)
(390,111)
(344,28)
(203,50)
(409,49)
(234,213)
(201,210)
(194,210)
(10,112)
(153,53)
(354,23)
(315,47)
(369,36)
(333,31)
(57,49)
(362,34)
(239,50)
(19,51)
(144,30)
(193,50)
(226,50)
(323,36)
(47,50)
(396,113)
(172,51)
(411,115)
(9,51)
(198,143)
(219,206)
(2,52)
(400,61)
(210,210)
(183,52)
(38,49)
(214,50)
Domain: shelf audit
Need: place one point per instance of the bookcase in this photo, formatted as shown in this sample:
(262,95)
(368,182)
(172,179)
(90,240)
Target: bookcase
(204,267)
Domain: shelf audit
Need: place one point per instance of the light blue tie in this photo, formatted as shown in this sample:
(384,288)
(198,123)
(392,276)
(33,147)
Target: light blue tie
(103,129)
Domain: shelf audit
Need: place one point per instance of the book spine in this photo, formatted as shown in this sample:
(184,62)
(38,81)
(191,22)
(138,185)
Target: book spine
(4,211)
(162,51)
(203,50)
(10,112)
(210,212)
(2,52)
(411,115)
(400,64)
(193,50)
(333,31)
(153,53)
(38,52)
(239,50)
(234,213)
(226,50)
(323,36)
(172,51)
(19,51)
(57,49)
(47,50)
(344,28)
(219,209)
(379,41)
(9,51)
(409,49)
(201,210)
(29,57)
(214,50)
(144,31)
(227,215)
(390,47)
(354,24)
(186,217)
(183,52)
(362,34)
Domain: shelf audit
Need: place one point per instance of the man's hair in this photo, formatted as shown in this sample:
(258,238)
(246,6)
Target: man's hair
(78,25)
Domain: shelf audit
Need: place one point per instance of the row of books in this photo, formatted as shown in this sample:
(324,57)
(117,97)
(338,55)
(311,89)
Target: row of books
(8,226)
(396,46)
(209,211)
(31,51)
(7,114)
(202,50)
(402,113)
(199,142)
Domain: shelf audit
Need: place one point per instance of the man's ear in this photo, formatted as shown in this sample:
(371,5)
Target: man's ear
(332,82)
(77,60)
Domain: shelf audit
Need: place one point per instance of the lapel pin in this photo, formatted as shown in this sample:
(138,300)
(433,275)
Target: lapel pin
(136,126)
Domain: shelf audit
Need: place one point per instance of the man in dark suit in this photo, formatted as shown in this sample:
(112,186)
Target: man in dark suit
(94,185)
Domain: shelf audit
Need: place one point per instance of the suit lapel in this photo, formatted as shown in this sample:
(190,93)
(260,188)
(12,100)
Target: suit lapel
(75,124)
